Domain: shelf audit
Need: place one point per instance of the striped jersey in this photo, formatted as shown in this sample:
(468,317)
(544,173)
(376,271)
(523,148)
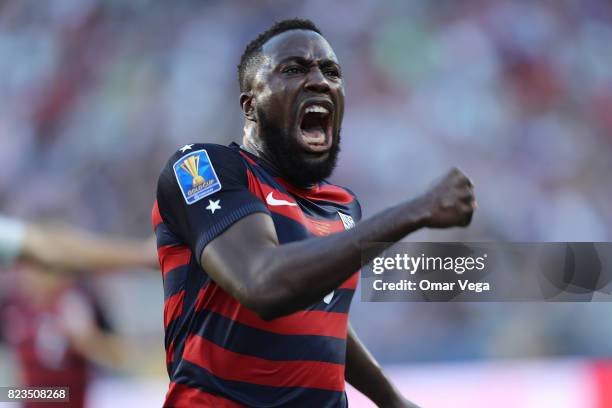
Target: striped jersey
(218,352)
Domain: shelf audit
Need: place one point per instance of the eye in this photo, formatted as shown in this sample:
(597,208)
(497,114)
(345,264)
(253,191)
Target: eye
(292,69)
(332,72)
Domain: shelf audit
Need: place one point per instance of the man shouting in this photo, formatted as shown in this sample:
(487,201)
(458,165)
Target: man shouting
(259,252)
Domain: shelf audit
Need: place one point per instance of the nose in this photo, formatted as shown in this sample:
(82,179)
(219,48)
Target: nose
(316,81)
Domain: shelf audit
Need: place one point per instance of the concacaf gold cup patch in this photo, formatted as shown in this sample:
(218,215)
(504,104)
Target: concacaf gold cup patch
(196,176)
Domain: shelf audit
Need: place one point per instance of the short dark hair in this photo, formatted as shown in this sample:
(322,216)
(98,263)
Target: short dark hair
(251,56)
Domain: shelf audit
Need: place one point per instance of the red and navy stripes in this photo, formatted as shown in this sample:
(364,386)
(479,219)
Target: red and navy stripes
(249,394)
(305,322)
(220,353)
(184,396)
(174,260)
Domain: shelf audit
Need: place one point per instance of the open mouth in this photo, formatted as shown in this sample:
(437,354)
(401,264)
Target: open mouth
(315,128)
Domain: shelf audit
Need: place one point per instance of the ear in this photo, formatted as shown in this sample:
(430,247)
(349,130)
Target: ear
(247,103)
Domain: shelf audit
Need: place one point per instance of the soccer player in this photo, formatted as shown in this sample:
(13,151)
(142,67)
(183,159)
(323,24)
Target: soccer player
(56,327)
(259,252)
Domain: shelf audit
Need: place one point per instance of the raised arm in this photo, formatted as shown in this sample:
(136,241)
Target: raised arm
(275,280)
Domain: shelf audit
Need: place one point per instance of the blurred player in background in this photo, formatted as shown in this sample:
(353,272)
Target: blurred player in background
(259,252)
(56,329)
(54,324)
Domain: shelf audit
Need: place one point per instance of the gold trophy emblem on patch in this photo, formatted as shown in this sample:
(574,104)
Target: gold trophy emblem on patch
(191,166)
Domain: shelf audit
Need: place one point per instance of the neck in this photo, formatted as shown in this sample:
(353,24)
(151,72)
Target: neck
(257,151)
(251,142)
(250,139)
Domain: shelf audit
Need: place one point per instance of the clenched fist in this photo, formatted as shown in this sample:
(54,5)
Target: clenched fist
(450,202)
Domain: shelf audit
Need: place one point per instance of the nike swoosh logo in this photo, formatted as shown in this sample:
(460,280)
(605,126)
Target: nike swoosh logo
(273,201)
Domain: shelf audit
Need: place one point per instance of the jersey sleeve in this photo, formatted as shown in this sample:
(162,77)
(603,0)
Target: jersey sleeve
(202,191)
(12,235)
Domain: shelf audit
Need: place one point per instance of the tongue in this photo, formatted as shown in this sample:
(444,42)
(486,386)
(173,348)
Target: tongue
(312,129)
(314,135)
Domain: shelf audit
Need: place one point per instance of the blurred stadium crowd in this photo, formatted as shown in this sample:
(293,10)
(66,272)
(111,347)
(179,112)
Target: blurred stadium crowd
(95,95)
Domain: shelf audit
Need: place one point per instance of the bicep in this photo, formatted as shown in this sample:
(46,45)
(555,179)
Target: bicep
(232,258)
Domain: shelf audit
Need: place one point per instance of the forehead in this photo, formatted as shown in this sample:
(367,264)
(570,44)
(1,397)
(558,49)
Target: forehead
(298,43)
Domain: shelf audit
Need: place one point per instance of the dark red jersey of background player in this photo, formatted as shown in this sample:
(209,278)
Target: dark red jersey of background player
(45,355)
(219,353)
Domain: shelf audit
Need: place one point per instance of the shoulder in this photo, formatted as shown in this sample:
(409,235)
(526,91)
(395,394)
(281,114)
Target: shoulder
(342,196)
(211,161)
(355,204)
(197,170)
(340,193)
(350,192)
(217,154)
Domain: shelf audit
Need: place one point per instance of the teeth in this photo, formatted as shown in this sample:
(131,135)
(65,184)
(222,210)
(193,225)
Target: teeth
(316,109)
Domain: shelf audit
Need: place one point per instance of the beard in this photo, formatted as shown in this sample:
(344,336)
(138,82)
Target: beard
(282,148)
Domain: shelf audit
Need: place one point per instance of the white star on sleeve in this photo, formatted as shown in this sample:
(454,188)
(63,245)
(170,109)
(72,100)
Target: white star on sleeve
(185,148)
(213,206)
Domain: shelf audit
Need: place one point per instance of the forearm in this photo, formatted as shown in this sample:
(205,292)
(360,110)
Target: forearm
(293,276)
(363,372)
(68,249)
